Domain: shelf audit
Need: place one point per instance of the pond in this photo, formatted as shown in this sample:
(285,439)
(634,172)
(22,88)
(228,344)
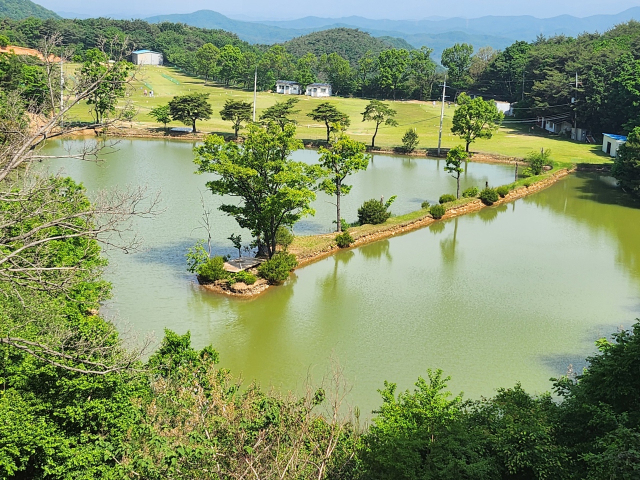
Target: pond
(512,293)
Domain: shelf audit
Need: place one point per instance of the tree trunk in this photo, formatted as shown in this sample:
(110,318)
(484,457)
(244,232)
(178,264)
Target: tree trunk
(373,140)
(236,127)
(458,186)
(328,131)
(338,223)
(194,125)
(467,149)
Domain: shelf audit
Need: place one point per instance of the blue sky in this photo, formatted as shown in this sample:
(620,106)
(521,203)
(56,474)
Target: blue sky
(402,9)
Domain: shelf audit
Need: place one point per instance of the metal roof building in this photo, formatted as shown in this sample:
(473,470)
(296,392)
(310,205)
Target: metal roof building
(146,57)
(611,143)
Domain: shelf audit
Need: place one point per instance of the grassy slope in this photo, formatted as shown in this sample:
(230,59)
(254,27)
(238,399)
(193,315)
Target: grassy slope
(424,117)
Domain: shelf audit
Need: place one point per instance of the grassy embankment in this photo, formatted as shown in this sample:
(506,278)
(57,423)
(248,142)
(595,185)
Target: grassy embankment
(423,116)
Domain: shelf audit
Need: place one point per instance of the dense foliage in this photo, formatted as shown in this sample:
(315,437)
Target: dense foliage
(20,9)
(489,196)
(446,198)
(437,211)
(278,267)
(374,211)
(627,163)
(344,239)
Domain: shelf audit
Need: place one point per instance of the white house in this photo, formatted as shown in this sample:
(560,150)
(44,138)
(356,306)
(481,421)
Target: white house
(146,57)
(505,107)
(555,125)
(319,90)
(611,143)
(287,87)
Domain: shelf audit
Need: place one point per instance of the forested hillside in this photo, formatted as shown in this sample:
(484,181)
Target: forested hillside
(347,42)
(19,9)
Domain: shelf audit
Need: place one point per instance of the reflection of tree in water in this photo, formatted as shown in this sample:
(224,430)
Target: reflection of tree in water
(448,245)
(329,286)
(375,251)
(488,215)
(437,227)
(591,200)
(409,163)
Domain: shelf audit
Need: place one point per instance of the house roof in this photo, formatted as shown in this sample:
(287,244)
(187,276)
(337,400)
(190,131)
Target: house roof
(319,85)
(287,82)
(620,138)
(146,51)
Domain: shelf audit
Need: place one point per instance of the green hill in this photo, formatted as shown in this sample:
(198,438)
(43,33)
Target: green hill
(19,9)
(349,43)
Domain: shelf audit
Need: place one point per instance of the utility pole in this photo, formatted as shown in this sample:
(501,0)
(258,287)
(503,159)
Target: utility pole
(255,90)
(61,90)
(523,84)
(444,87)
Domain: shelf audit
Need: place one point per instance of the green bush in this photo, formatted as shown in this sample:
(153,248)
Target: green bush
(373,212)
(446,198)
(344,239)
(470,192)
(410,141)
(437,211)
(527,183)
(489,196)
(284,237)
(277,268)
(212,270)
(245,277)
(537,162)
(503,191)
(425,205)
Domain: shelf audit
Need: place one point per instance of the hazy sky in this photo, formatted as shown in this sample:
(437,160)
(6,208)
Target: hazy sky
(402,9)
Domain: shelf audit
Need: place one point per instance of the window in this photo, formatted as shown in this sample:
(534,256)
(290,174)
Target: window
(323,90)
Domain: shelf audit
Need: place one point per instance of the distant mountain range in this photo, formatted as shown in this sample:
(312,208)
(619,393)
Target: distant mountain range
(494,31)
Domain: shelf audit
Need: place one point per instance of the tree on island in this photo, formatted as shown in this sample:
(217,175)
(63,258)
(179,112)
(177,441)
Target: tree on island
(379,112)
(273,190)
(280,112)
(328,114)
(455,157)
(475,118)
(162,114)
(236,112)
(189,108)
(344,157)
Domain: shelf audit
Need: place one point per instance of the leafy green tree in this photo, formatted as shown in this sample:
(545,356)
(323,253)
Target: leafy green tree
(344,157)
(273,189)
(280,112)
(4,41)
(237,112)
(230,63)
(410,140)
(379,112)
(111,80)
(191,107)
(455,157)
(328,114)
(162,114)
(475,118)
(457,61)
(626,167)
(306,68)
(393,69)
(422,71)
(338,73)
(275,64)
(365,71)
(207,58)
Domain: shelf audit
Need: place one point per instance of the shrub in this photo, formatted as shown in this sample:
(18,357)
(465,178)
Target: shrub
(446,198)
(344,239)
(503,191)
(437,211)
(527,183)
(212,270)
(470,192)
(245,277)
(410,140)
(284,237)
(373,212)
(425,205)
(277,268)
(537,161)
(343,224)
(489,196)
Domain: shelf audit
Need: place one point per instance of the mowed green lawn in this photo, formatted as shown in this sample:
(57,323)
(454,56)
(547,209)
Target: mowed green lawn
(423,116)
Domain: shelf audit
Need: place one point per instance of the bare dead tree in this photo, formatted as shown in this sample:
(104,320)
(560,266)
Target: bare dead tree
(39,213)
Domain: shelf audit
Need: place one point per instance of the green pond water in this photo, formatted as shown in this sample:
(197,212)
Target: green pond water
(511,293)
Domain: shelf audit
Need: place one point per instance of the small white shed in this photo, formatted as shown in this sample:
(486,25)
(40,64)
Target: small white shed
(287,87)
(146,57)
(319,90)
(611,143)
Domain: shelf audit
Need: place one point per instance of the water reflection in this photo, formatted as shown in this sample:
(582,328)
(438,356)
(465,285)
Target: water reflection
(437,227)
(448,245)
(376,250)
(489,214)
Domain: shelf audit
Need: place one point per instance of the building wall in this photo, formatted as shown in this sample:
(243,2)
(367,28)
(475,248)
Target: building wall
(615,144)
(288,89)
(319,91)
